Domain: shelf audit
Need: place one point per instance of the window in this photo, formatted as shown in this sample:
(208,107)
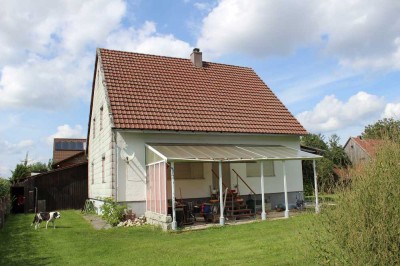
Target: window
(101,118)
(69,146)
(94,127)
(103,162)
(187,171)
(253,169)
(92,172)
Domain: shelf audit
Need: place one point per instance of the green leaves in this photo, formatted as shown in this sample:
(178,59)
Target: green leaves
(364,228)
(386,129)
(112,212)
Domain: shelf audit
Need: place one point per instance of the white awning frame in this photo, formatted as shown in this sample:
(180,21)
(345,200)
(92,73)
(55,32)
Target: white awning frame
(228,153)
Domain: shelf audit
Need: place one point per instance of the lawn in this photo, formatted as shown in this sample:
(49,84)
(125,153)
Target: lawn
(75,242)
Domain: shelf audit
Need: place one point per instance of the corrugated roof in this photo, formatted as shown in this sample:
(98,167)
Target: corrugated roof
(149,92)
(228,153)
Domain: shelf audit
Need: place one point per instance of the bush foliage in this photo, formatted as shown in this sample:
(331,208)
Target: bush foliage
(4,188)
(112,212)
(363,228)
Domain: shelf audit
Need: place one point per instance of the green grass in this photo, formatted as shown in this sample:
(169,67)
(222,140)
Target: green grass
(75,242)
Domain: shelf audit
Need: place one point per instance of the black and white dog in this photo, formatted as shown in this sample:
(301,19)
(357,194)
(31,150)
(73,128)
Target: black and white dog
(45,216)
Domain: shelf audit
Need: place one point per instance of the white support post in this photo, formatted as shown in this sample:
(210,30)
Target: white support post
(263,213)
(285,188)
(221,204)
(174,225)
(316,189)
(159,186)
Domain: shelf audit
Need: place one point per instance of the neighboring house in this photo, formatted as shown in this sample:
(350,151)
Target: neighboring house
(162,128)
(64,148)
(361,150)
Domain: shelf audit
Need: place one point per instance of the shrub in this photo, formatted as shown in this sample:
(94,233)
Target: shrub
(363,228)
(4,188)
(112,212)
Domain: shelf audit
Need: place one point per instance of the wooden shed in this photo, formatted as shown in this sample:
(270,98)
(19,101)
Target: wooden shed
(64,188)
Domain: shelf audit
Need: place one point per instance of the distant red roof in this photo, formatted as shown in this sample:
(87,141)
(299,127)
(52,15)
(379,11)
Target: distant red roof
(368,145)
(149,92)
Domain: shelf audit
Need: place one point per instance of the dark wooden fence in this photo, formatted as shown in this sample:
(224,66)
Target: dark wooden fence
(65,188)
(3,210)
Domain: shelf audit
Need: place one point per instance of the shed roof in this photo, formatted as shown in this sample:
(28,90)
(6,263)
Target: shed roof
(148,92)
(227,153)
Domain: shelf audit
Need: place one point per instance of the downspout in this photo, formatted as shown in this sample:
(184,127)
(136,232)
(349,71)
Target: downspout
(117,153)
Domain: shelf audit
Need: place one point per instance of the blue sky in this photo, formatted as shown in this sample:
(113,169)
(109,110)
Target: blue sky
(334,64)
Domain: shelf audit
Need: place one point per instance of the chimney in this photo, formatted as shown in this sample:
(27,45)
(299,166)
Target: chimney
(196,58)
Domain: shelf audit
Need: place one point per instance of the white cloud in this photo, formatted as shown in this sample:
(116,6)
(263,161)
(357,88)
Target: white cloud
(392,110)
(66,131)
(203,6)
(91,21)
(48,48)
(46,27)
(331,114)
(147,40)
(359,33)
(259,28)
(47,84)
(16,148)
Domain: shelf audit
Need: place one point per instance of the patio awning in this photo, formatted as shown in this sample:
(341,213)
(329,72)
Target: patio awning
(227,153)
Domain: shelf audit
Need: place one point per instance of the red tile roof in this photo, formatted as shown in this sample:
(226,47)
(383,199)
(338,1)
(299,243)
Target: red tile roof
(368,145)
(149,92)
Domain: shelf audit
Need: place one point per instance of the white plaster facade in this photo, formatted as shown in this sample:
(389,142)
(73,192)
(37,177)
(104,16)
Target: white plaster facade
(101,182)
(132,176)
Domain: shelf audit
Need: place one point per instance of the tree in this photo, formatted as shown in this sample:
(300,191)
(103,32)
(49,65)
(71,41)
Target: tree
(20,171)
(336,152)
(24,169)
(4,187)
(314,141)
(38,167)
(334,156)
(388,128)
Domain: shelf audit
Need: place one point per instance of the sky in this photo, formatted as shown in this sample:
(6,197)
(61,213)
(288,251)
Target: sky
(334,64)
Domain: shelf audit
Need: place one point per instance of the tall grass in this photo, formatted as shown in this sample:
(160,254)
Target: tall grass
(364,227)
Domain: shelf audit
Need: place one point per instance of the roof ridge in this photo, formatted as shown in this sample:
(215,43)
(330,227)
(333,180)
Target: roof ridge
(173,57)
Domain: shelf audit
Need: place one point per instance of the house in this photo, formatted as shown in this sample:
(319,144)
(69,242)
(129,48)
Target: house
(164,128)
(64,148)
(361,150)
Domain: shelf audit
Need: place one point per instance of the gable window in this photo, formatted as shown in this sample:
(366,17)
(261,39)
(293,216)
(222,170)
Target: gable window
(253,169)
(101,118)
(92,172)
(94,127)
(103,162)
(187,171)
